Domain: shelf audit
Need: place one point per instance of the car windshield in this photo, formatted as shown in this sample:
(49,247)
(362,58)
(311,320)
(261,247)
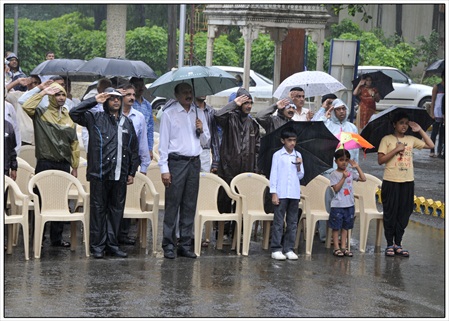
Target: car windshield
(269,81)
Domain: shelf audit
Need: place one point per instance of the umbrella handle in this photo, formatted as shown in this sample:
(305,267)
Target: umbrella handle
(197,131)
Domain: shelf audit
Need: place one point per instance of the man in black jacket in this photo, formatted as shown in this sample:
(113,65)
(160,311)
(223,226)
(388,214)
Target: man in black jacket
(112,163)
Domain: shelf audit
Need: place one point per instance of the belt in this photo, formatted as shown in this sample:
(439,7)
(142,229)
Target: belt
(173,156)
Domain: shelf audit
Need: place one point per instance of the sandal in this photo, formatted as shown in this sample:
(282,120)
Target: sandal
(389,251)
(398,250)
(338,253)
(346,252)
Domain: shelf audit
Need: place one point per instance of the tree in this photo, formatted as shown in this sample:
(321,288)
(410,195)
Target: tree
(353,9)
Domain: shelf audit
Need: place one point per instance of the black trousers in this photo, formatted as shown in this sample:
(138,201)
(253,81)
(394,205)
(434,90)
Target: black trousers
(397,202)
(182,194)
(56,228)
(107,202)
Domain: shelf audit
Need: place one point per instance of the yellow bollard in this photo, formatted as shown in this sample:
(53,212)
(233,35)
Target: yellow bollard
(378,195)
(419,204)
(428,206)
(442,210)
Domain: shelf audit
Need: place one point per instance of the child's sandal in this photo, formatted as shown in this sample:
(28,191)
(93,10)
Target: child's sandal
(338,253)
(398,250)
(346,252)
(389,251)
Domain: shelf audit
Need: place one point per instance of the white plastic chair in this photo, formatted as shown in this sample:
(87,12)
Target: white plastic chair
(17,215)
(28,153)
(136,207)
(24,174)
(366,208)
(251,188)
(207,209)
(54,187)
(154,174)
(314,208)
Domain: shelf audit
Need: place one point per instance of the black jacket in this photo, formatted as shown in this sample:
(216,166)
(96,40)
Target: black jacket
(104,140)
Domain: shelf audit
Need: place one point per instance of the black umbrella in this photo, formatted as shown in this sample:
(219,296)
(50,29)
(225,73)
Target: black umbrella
(315,143)
(381,124)
(382,82)
(62,67)
(110,67)
(435,68)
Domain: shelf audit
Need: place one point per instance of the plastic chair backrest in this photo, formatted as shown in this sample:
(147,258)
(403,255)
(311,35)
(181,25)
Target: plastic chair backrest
(54,186)
(133,193)
(28,153)
(253,187)
(368,190)
(208,191)
(24,173)
(315,191)
(154,174)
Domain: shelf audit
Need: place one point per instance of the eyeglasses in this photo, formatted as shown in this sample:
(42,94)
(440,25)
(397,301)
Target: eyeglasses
(114,98)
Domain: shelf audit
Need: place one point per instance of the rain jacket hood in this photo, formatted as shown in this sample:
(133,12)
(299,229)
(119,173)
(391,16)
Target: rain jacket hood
(52,99)
(338,103)
(242,91)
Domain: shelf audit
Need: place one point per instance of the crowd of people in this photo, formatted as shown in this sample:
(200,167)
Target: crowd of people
(118,135)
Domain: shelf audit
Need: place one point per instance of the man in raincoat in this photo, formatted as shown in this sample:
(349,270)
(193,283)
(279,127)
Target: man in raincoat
(56,141)
(240,142)
(276,115)
(113,159)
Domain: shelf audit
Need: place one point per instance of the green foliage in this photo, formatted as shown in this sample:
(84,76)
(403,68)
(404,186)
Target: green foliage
(353,9)
(224,50)
(431,81)
(148,44)
(428,48)
(345,26)
(262,55)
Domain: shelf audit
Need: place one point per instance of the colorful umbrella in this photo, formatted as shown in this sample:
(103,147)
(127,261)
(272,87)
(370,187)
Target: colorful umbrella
(350,141)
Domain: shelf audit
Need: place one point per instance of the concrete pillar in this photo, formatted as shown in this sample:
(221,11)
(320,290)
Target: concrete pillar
(277,35)
(116,30)
(249,33)
(317,36)
(211,31)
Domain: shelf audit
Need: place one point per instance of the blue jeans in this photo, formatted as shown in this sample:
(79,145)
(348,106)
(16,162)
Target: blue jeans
(287,208)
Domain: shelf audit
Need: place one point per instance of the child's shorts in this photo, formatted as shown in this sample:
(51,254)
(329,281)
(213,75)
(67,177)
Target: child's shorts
(341,217)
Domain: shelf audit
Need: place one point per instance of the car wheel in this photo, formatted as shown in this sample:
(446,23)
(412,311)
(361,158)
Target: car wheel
(423,101)
(157,106)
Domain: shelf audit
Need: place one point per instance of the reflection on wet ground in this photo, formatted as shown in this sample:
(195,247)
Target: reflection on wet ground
(222,284)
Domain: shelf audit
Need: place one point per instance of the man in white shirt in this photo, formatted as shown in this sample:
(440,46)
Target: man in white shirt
(298,97)
(179,150)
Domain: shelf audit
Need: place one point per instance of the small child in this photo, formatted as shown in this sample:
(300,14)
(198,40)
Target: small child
(341,216)
(285,190)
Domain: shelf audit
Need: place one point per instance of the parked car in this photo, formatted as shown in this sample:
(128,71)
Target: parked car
(261,88)
(406,92)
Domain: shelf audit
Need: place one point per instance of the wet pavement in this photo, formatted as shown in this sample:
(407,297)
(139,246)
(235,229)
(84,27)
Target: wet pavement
(219,284)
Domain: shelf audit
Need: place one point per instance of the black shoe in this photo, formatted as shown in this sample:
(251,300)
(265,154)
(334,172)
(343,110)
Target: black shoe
(98,255)
(169,254)
(186,253)
(118,253)
(126,241)
(61,244)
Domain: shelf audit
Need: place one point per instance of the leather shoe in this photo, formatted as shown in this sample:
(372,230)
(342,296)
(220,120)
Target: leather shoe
(186,253)
(119,253)
(98,255)
(169,254)
(126,241)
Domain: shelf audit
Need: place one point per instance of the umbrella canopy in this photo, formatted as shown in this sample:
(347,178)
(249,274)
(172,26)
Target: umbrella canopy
(381,124)
(315,143)
(435,68)
(314,83)
(350,141)
(204,81)
(110,67)
(62,67)
(381,81)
